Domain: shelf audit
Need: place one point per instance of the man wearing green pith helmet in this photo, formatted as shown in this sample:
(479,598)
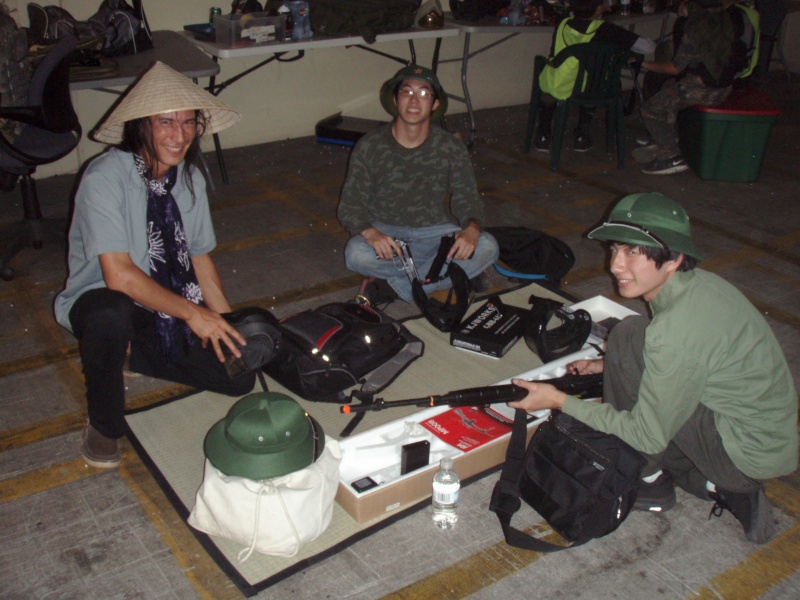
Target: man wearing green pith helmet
(702,389)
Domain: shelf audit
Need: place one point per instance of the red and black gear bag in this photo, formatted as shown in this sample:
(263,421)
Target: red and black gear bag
(336,346)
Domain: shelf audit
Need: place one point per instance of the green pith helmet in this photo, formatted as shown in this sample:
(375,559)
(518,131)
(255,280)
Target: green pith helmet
(413,72)
(264,435)
(649,219)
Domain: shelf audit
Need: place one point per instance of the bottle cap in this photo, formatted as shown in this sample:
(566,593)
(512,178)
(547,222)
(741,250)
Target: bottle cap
(446,464)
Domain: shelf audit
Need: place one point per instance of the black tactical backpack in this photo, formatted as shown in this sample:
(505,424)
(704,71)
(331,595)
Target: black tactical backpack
(336,346)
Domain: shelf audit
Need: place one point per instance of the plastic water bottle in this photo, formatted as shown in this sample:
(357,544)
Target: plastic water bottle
(301,24)
(446,485)
(624,7)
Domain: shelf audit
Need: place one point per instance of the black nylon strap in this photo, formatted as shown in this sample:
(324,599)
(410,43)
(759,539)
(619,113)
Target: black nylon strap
(505,497)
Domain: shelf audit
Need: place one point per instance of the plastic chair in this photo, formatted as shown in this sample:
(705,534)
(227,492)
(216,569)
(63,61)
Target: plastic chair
(50,130)
(600,67)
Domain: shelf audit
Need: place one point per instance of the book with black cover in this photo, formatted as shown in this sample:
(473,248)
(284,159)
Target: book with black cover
(492,329)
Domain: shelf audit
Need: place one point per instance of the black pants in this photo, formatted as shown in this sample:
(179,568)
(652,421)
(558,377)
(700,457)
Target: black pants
(696,454)
(547,109)
(105,323)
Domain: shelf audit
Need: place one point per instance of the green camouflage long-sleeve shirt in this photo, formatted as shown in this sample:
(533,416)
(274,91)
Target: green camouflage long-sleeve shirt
(409,187)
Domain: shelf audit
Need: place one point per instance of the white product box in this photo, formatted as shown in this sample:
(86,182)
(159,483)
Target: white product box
(376,453)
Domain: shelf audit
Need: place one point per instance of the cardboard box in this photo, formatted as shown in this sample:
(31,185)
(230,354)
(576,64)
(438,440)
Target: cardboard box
(490,330)
(376,453)
(250,29)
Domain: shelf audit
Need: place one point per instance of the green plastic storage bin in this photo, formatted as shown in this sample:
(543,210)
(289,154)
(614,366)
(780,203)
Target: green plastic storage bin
(728,142)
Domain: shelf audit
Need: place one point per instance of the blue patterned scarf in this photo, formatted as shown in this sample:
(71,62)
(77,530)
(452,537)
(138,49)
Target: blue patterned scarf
(170,262)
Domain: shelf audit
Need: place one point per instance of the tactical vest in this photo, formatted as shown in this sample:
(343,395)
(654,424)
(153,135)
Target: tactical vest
(560,82)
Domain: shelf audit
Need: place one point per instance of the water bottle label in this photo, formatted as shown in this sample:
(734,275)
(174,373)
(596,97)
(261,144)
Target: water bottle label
(446,493)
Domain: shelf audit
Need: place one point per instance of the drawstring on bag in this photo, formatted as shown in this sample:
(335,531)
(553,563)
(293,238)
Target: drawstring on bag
(267,487)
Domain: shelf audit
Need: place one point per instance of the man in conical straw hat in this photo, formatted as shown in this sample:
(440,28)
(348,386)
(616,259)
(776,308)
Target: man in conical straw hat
(142,286)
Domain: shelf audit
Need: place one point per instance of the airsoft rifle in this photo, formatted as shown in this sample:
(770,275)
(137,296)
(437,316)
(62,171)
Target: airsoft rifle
(581,386)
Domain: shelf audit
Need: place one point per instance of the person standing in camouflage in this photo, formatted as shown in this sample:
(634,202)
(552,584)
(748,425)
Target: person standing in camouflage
(702,75)
(397,188)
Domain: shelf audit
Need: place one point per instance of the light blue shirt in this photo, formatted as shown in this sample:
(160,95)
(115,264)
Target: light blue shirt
(111,216)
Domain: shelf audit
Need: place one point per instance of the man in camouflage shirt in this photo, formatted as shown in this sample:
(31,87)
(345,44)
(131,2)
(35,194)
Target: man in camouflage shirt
(400,178)
(703,69)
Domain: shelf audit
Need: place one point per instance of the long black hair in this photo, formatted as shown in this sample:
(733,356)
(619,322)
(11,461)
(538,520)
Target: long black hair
(137,136)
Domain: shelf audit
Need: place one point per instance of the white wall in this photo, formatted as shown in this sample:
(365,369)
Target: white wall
(286,100)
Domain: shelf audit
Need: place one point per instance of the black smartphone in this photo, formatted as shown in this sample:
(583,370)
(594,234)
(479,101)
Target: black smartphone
(364,484)
(414,456)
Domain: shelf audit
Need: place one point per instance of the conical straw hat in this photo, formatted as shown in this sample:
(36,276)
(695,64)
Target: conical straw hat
(162,89)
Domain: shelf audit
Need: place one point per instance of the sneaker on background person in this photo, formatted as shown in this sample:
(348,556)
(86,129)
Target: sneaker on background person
(665,166)
(583,143)
(542,142)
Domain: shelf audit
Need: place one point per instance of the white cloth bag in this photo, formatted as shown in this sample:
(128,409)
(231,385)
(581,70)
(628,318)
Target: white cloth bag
(274,516)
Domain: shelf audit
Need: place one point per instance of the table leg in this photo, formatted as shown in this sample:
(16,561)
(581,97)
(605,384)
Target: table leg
(435,60)
(212,84)
(220,158)
(465,87)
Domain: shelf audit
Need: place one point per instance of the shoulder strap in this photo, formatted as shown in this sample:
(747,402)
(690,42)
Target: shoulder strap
(383,375)
(505,497)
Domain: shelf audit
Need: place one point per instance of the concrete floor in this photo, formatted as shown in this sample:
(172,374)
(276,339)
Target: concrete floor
(70,531)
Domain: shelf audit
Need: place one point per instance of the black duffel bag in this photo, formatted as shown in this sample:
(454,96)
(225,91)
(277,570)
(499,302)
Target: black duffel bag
(366,18)
(582,481)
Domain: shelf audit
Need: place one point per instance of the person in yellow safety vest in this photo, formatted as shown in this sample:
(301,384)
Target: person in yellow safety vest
(749,39)
(585,26)
(771,14)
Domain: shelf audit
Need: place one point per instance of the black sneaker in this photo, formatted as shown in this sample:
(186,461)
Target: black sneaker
(375,293)
(667,166)
(542,142)
(644,139)
(583,143)
(481,283)
(751,509)
(658,496)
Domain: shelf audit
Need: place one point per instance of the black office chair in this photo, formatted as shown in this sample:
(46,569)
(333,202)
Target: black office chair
(600,67)
(50,130)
